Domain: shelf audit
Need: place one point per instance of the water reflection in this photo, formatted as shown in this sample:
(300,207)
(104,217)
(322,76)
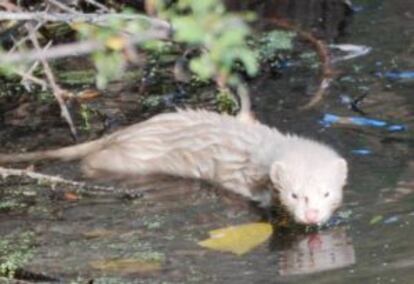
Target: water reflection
(317,252)
(404,188)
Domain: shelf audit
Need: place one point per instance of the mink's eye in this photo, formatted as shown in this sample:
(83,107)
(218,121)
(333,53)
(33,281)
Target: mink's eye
(294,196)
(326,194)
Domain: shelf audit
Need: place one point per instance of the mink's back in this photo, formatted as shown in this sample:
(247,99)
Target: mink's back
(188,143)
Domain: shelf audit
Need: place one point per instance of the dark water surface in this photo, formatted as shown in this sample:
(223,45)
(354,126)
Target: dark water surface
(373,244)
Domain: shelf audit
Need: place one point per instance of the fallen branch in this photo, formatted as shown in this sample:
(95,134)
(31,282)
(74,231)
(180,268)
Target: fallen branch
(53,180)
(91,18)
(77,49)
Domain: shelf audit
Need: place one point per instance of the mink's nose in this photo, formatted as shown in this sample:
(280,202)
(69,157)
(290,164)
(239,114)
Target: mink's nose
(312,216)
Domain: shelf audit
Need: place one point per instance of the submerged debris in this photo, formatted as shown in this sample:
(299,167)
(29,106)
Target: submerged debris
(398,75)
(392,219)
(331,119)
(350,51)
(361,152)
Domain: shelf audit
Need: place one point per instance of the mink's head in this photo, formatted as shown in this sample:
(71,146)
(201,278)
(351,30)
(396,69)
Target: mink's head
(309,179)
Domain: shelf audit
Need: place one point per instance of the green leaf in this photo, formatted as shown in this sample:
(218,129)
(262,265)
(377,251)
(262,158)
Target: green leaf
(249,60)
(110,65)
(203,66)
(188,29)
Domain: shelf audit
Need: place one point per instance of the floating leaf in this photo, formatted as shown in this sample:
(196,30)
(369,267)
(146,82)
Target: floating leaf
(376,219)
(238,239)
(70,196)
(126,266)
(87,95)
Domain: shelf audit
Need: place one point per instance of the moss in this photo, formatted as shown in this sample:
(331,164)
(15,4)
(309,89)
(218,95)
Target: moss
(150,256)
(152,101)
(275,41)
(15,251)
(78,77)
(7,205)
(45,97)
(225,102)
(155,222)
(86,114)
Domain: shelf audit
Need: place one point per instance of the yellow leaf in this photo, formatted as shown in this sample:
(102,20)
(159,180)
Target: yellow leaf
(126,266)
(115,43)
(238,239)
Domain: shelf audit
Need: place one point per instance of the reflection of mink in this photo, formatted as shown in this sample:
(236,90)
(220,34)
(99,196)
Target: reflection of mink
(244,157)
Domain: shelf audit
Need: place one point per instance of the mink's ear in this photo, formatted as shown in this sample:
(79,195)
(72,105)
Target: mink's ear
(342,169)
(276,171)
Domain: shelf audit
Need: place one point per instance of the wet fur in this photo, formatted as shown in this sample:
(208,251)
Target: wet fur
(244,157)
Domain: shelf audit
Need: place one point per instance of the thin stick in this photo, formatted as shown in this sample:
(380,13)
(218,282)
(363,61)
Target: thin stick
(27,76)
(99,5)
(56,90)
(63,7)
(30,77)
(323,53)
(77,49)
(86,17)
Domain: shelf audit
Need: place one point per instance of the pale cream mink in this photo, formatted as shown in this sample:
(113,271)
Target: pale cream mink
(248,158)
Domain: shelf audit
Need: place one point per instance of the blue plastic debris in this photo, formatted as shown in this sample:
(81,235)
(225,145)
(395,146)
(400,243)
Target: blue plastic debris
(345,99)
(396,128)
(330,119)
(399,75)
(391,220)
(361,152)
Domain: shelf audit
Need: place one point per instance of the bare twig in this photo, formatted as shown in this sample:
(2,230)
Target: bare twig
(102,7)
(56,90)
(27,76)
(22,40)
(30,77)
(323,53)
(326,68)
(63,7)
(87,18)
(78,48)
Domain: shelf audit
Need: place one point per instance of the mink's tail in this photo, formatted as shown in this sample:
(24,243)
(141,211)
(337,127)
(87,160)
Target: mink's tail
(66,153)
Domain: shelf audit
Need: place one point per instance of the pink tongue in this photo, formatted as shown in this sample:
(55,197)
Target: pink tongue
(315,242)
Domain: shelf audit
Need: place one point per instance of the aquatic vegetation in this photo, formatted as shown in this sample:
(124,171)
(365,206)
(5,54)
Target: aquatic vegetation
(15,251)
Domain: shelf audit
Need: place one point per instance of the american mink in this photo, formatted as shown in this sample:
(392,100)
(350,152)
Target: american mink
(248,158)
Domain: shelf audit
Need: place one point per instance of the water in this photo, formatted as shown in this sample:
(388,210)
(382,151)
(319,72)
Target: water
(373,243)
